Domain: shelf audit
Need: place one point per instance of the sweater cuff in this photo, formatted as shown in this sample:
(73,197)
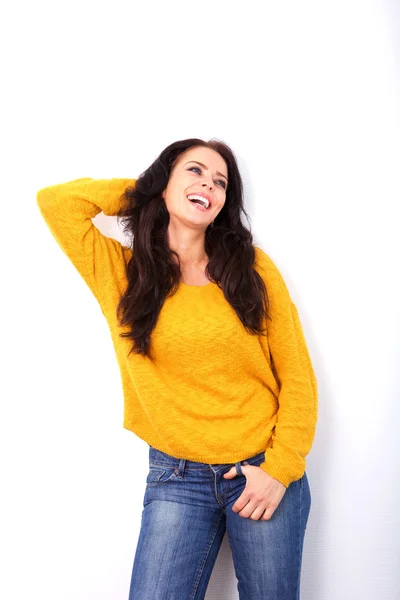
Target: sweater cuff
(279,473)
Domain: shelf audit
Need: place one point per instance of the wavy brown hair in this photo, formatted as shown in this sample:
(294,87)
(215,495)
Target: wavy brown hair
(153,272)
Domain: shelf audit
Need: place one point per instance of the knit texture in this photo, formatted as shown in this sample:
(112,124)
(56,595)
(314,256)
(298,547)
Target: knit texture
(214,393)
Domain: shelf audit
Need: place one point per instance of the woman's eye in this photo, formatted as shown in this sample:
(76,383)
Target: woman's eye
(222,183)
(190,168)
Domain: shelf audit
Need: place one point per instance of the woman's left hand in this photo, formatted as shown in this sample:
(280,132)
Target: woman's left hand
(260,497)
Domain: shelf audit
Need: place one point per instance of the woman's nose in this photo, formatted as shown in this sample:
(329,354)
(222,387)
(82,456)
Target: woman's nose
(211,185)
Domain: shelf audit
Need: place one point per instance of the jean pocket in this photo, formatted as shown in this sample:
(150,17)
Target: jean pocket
(160,475)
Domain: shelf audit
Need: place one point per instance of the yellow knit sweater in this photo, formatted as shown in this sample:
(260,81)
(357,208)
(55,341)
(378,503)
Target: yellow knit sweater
(214,393)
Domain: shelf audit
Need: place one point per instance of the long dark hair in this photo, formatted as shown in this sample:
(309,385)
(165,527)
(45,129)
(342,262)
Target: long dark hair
(153,272)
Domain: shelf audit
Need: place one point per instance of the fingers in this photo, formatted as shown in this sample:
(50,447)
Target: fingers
(256,512)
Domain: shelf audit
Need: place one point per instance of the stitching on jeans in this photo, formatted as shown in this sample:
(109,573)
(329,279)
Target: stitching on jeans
(175,466)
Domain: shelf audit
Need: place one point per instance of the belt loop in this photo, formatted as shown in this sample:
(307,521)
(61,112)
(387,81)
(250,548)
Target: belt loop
(181,469)
(239,468)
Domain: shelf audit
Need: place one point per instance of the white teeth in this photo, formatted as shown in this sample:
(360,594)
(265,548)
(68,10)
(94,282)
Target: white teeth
(204,201)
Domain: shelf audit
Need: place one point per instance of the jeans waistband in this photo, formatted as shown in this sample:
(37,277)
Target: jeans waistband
(157,457)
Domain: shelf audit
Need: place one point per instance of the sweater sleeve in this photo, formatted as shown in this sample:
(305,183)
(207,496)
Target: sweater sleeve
(68,209)
(294,430)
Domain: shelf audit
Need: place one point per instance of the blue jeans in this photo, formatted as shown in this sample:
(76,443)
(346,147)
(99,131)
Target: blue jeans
(188,507)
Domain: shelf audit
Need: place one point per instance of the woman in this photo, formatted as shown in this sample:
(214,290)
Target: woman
(216,375)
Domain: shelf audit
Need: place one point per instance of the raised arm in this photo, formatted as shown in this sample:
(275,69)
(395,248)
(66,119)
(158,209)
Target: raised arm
(68,209)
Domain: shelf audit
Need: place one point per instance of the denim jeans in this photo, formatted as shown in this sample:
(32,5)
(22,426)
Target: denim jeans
(188,507)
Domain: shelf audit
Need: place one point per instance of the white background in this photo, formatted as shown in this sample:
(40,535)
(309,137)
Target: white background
(307,95)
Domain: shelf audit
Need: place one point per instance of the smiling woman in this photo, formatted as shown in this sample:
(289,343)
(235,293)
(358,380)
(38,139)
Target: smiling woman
(216,374)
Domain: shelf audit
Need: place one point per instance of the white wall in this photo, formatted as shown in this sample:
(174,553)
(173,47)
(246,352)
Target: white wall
(307,95)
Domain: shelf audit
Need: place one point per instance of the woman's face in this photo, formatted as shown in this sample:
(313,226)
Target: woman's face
(209,178)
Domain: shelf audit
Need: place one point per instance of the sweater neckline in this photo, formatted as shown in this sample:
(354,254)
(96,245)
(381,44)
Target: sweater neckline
(197,289)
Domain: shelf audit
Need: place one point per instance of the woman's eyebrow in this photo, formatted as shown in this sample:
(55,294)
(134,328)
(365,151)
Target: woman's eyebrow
(204,167)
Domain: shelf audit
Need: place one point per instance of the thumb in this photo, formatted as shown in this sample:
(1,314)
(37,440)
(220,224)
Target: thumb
(231,473)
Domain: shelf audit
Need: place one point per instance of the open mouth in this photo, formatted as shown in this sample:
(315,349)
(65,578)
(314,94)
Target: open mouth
(199,202)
